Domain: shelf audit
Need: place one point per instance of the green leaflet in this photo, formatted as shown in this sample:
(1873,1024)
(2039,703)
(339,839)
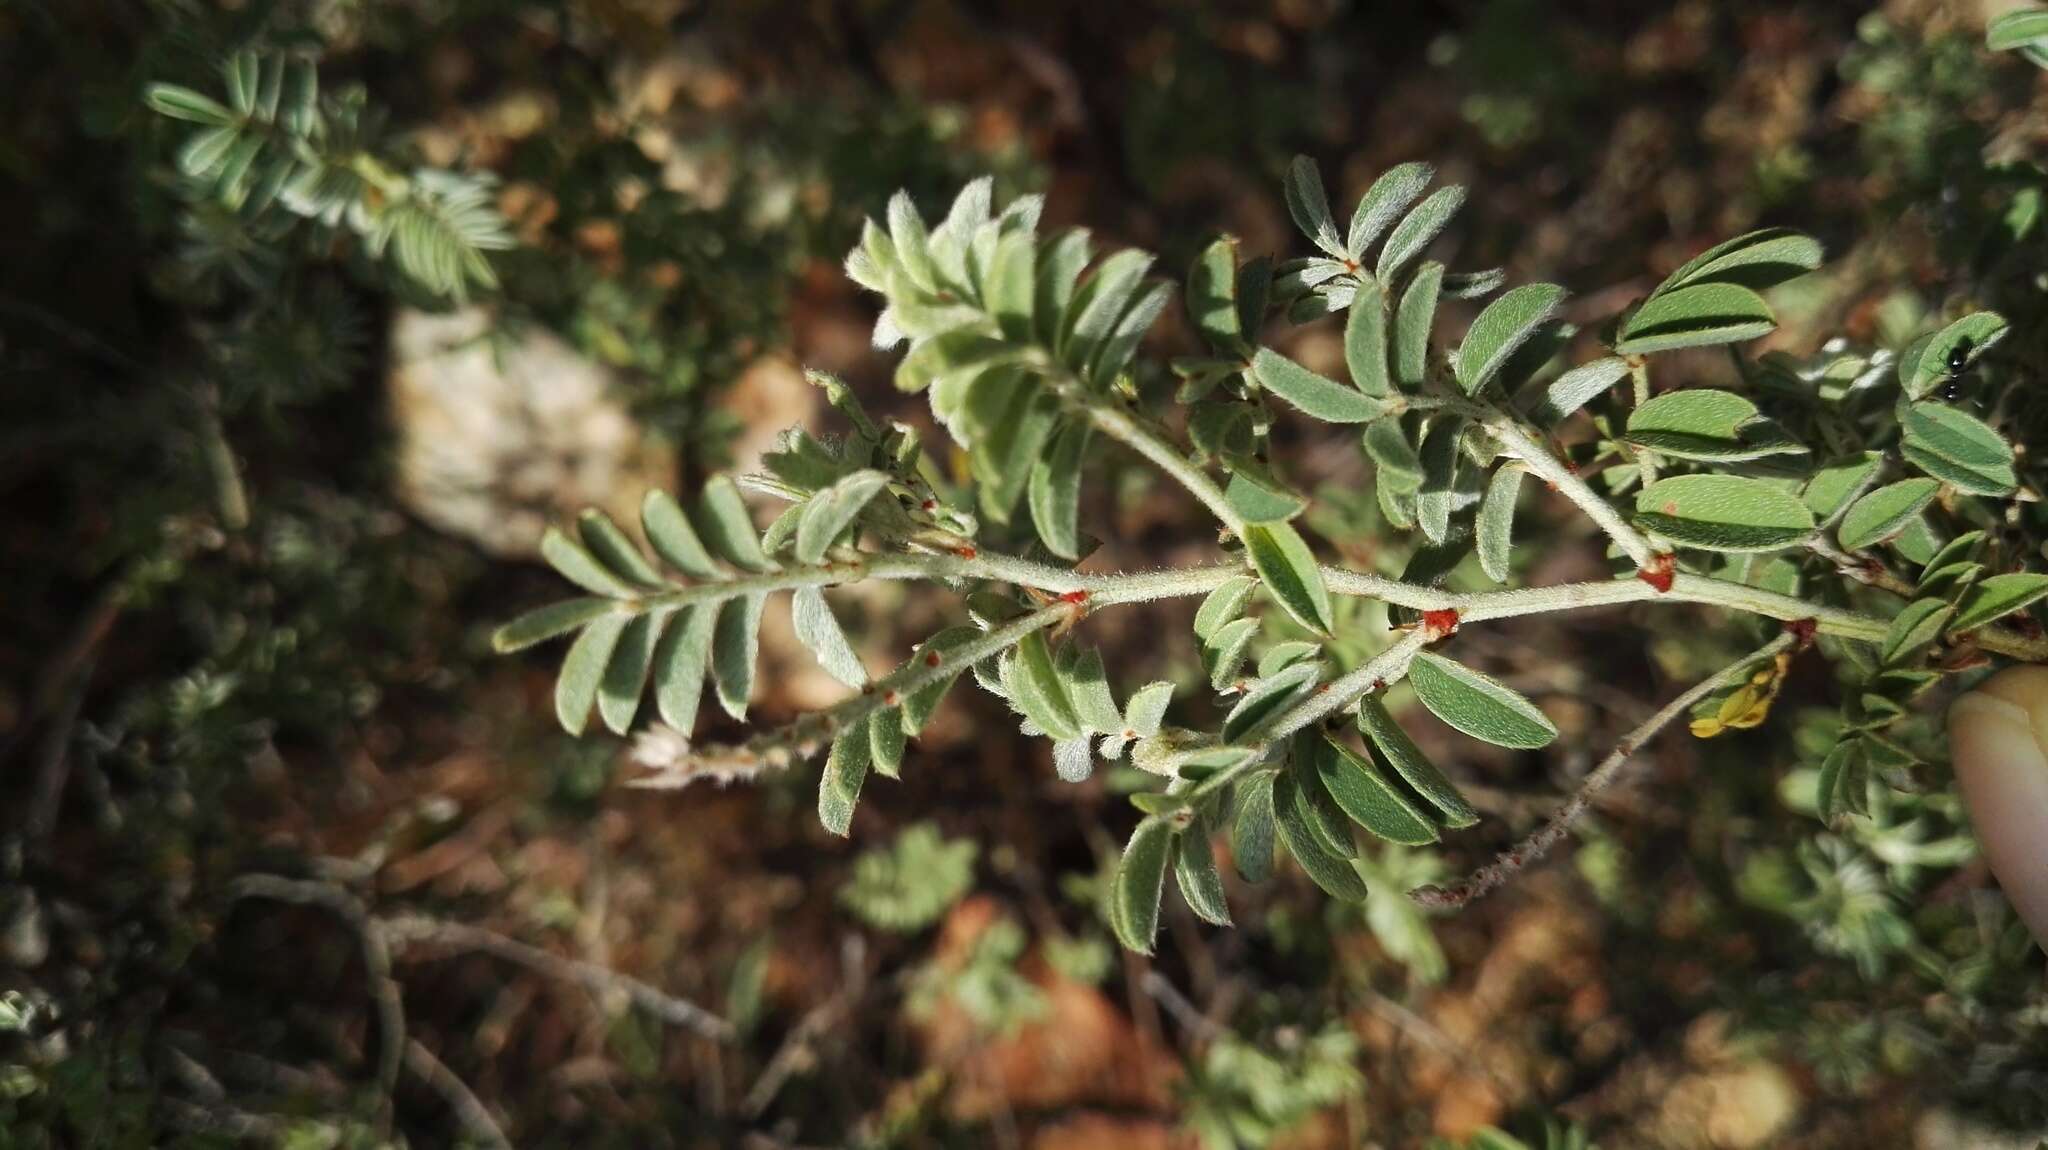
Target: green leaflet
(1212,296)
(1268,698)
(913,251)
(1059,270)
(556,619)
(1056,490)
(735,645)
(727,528)
(1957,448)
(846,768)
(617,552)
(1836,483)
(1088,686)
(1388,446)
(1496,524)
(1416,230)
(1390,196)
(1698,315)
(1335,875)
(1844,784)
(1258,495)
(1222,605)
(918,707)
(1925,365)
(1365,342)
(575,563)
(831,512)
(1506,324)
(1369,798)
(2019,28)
(1758,260)
(1996,597)
(680,663)
(1313,394)
(1915,626)
(670,534)
(583,671)
(1577,387)
(1281,656)
(1140,881)
(886,743)
(1194,871)
(1441,460)
(819,632)
(1008,447)
(1310,207)
(1224,653)
(1098,306)
(1116,351)
(1723,513)
(1707,425)
(1251,835)
(625,676)
(1012,290)
(1477,704)
(1411,764)
(1288,569)
(1040,694)
(1884,512)
(1327,822)
(1413,318)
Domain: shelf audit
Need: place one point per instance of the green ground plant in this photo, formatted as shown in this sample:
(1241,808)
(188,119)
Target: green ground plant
(1781,500)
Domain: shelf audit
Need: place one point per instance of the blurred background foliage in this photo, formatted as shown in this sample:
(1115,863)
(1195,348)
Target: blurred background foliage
(266,487)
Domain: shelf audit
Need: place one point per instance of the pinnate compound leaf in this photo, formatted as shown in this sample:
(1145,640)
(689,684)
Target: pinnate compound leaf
(1288,569)
(583,671)
(832,511)
(1501,330)
(1140,881)
(1995,597)
(1699,315)
(1884,512)
(1723,513)
(1957,448)
(544,623)
(1479,705)
(1313,394)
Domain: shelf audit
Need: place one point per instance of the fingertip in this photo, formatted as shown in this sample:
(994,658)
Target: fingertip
(2002,771)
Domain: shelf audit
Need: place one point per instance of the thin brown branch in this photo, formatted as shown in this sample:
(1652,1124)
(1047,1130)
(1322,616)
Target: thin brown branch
(408,930)
(1537,843)
(469,1109)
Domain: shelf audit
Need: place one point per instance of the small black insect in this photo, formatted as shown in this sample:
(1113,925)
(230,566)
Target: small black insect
(1958,363)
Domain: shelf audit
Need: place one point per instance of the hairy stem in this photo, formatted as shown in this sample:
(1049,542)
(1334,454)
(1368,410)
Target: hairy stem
(1512,861)
(1117,423)
(1552,470)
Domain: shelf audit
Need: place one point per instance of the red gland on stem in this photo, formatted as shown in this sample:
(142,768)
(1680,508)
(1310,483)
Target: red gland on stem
(1438,624)
(1803,630)
(1660,573)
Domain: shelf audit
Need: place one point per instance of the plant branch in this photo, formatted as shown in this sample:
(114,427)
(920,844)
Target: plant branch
(1552,470)
(1119,424)
(1997,640)
(1512,861)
